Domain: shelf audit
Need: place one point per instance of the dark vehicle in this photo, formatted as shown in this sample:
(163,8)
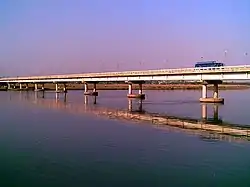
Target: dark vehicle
(208,64)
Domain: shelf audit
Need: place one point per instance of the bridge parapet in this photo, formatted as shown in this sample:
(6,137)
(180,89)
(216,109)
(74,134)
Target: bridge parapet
(180,71)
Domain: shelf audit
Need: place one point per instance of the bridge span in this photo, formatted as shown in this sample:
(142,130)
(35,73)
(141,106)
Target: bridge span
(209,75)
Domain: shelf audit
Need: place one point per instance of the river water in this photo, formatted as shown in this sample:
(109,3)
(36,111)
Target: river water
(45,146)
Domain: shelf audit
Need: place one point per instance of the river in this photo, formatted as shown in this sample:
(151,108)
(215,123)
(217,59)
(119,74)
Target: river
(46,146)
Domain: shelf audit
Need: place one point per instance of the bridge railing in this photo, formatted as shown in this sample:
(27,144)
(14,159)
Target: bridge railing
(179,71)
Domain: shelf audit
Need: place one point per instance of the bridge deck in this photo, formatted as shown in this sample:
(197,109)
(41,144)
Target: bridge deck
(160,72)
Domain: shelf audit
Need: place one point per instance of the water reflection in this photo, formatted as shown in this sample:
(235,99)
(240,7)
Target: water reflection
(87,99)
(138,108)
(204,113)
(135,112)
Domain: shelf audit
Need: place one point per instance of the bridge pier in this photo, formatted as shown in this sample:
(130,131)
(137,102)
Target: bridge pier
(65,88)
(57,88)
(215,98)
(131,108)
(130,94)
(93,93)
(42,87)
(204,113)
(9,86)
(36,88)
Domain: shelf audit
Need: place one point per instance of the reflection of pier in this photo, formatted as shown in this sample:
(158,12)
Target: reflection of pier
(204,113)
(207,129)
(132,108)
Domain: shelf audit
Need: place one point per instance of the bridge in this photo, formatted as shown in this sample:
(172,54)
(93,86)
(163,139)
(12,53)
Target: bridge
(208,75)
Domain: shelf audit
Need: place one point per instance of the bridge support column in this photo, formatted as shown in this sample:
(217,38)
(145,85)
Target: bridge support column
(65,88)
(20,85)
(93,93)
(36,88)
(130,91)
(140,95)
(215,98)
(56,87)
(9,86)
(216,91)
(204,91)
(42,87)
(86,89)
(140,88)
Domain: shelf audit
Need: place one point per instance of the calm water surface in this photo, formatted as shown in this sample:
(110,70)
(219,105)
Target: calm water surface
(42,146)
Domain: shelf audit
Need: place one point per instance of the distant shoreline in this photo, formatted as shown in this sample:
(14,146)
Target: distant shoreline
(115,86)
(162,87)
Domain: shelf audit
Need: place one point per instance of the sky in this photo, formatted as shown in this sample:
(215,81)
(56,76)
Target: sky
(39,37)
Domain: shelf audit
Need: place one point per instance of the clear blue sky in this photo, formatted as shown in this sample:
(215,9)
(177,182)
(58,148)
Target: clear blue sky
(73,36)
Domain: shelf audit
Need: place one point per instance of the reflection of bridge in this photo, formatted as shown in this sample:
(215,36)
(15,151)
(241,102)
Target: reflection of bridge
(205,127)
(214,75)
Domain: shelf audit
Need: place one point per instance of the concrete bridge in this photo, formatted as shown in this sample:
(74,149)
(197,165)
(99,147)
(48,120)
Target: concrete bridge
(209,75)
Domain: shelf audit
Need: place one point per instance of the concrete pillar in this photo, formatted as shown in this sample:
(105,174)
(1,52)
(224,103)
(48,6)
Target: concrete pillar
(94,88)
(42,86)
(204,111)
(64,88)
(216,89)
(85,87)
(20,86)
(9,86)
(140,88)
(204,91)
(56,87)
(36,87)
(130,89)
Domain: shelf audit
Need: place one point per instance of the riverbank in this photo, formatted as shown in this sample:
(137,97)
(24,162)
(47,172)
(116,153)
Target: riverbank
(116,86)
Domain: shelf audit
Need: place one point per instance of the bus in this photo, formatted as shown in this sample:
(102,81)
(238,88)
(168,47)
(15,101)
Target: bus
(208,64)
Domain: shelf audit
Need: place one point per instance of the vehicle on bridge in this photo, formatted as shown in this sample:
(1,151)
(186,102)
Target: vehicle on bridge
(209,65)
